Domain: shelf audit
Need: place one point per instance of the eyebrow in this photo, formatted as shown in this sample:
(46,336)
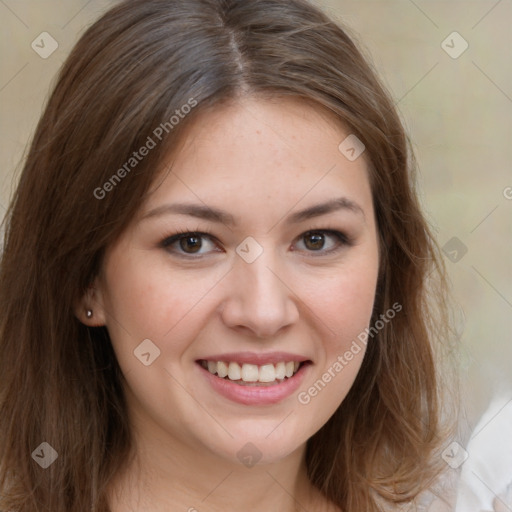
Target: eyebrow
(216,215)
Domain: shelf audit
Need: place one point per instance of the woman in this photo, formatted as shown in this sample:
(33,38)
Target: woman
(214,281)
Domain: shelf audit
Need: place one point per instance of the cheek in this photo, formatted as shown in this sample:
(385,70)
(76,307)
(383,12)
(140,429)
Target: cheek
(344,302)
(343,306)
(146,300)
(347,316)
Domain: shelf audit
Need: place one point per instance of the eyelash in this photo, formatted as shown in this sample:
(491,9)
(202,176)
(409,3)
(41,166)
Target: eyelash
(342,240)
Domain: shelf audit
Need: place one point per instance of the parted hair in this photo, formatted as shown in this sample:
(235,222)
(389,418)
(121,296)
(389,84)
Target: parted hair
(130,72)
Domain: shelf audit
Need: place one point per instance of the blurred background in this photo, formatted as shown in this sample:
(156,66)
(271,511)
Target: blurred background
(448,67)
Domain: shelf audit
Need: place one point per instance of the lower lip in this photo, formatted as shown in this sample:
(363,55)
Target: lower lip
(255,395)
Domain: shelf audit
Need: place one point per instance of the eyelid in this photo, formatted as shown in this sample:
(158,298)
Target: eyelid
(181,234)
(343,240)
(178,235)
(342,236)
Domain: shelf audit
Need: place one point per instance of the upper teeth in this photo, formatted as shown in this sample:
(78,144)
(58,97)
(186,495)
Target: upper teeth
(252,372)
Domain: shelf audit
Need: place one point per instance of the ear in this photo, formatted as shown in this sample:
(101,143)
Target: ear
(92,301)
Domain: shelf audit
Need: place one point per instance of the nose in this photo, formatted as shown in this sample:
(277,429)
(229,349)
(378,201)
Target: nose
(258,299)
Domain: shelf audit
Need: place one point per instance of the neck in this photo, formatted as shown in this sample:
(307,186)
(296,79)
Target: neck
(167,475)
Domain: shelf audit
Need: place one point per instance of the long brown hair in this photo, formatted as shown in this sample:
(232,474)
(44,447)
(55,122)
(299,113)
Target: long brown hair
(130,72)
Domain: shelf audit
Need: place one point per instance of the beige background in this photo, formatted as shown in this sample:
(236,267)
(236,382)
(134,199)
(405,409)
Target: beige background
(458,113)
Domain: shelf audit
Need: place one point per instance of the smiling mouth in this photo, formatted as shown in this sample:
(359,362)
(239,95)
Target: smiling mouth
(252,374)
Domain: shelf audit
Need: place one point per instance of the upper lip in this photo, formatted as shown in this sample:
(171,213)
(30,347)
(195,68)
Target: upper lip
(256,358)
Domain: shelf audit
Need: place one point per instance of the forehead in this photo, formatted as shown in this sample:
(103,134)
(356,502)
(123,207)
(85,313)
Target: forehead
(280,126)
(262,149)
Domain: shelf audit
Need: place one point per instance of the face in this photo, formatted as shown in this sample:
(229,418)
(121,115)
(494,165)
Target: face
(256,256)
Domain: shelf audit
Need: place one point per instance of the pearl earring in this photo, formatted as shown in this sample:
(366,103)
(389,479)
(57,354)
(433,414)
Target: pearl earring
(88,313)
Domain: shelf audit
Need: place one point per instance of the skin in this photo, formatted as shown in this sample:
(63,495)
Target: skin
(261,161)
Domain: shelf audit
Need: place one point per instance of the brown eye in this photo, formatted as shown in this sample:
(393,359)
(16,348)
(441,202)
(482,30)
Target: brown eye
(323,241)
(191,244)
(314,241)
